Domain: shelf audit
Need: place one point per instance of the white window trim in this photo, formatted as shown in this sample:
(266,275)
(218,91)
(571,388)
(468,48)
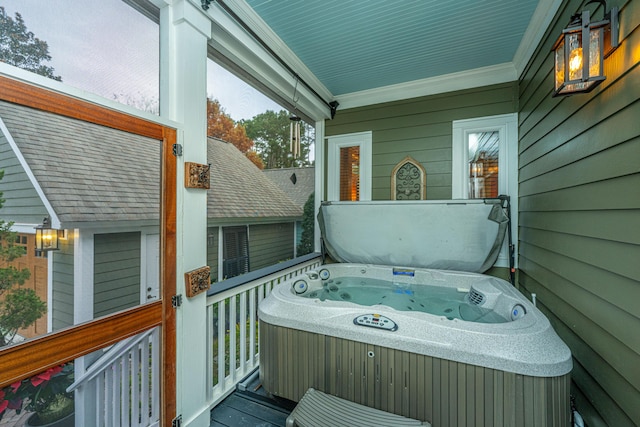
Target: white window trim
(335,143)
(507,127)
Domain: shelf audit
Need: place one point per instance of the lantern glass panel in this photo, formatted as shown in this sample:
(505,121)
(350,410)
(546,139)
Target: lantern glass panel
(574,44)
(595,52)
(559,54)
(46,239)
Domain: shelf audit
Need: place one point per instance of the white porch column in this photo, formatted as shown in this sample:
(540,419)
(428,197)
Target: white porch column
(184,31)
(83,293)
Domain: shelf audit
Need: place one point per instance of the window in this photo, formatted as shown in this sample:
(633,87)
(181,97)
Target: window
(485,163)
(236,252)
(349,167)
(350,173)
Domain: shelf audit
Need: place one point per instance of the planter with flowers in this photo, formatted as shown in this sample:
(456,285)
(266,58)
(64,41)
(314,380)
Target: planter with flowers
(44,394)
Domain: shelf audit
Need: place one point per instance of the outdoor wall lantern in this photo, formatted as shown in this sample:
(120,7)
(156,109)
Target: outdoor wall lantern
(580,51)
(46,237)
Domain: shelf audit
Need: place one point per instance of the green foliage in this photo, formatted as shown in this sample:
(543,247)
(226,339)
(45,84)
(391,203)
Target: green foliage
(21,48)
(308,227)
(19,307)
(270,134)
(44,393)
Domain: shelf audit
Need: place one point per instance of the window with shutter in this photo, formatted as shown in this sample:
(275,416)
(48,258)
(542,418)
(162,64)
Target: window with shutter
(236,252)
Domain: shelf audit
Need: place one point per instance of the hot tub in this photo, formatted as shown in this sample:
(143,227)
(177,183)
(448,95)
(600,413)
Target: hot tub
(444,346)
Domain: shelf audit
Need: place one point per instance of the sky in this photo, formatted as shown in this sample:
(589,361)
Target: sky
(107,48)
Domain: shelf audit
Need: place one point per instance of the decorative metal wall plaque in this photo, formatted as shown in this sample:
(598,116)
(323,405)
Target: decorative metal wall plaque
(197,281)
(196,175)
(408,180)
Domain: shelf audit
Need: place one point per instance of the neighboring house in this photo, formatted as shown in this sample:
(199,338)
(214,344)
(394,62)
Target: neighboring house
(250,220)
(101,185)
(297,183)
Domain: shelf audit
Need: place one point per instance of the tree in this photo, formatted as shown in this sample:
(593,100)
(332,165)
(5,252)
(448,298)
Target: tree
(19,307)
(140,101)
(271,135)
(220,125)
(21,48)
(308,227)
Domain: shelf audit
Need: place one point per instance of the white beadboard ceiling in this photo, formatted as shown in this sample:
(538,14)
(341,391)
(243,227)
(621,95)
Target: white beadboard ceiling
(360,46)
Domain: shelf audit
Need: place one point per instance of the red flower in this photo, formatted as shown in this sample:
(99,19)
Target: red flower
(36,380)
(15,386)
(1,394)
(3,405)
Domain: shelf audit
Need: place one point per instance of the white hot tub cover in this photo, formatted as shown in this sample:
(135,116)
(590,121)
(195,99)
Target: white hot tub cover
(463,235)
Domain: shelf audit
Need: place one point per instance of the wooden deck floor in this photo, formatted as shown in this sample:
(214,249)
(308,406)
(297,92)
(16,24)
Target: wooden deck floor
(251,408)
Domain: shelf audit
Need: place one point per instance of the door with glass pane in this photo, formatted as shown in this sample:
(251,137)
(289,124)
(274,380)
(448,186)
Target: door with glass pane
(96,274)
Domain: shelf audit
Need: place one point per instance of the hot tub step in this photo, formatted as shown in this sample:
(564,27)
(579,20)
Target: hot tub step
(318,409)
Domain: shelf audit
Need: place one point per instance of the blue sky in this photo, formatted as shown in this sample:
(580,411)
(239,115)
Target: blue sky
(105,47)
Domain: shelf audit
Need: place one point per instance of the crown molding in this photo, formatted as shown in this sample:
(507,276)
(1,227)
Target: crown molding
(540,21)
(484,76)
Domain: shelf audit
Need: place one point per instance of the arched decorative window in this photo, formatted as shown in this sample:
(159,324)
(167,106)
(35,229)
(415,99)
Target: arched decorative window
(408,180)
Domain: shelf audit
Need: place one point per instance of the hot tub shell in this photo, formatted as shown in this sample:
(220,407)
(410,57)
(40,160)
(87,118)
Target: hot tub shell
(449,372)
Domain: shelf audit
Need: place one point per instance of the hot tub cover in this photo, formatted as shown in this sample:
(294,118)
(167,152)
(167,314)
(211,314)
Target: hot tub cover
(463,235)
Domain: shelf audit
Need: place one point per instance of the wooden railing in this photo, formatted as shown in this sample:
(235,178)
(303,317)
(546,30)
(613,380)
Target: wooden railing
(232,308)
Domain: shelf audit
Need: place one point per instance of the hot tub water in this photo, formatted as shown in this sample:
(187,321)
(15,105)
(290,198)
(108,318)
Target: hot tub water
(437,300)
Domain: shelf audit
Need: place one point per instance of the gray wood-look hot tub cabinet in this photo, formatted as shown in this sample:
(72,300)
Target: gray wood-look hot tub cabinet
(443,392)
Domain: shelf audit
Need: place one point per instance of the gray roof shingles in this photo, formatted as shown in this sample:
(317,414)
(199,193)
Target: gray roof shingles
(93,173)
(304,182)
(240,190)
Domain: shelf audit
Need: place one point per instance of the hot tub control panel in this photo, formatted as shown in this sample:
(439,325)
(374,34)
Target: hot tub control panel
(377,321)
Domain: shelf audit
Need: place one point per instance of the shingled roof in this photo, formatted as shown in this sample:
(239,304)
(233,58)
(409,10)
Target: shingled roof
(240,190)
(91,173)
(87,172)
(297,183)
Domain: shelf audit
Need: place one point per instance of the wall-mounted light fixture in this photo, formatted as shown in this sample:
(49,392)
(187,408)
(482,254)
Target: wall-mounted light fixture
(46,237)
(580,51)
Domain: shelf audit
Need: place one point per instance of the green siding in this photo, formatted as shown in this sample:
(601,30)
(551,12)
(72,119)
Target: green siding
(62,279)
(116,272)
(421,128)
(579,175)
(22,203)
(270,244)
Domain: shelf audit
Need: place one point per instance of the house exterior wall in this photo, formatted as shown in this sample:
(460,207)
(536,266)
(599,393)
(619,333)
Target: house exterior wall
(116,272)
(579,181)
(420,128)
(61,304)
(270,244)
(21,200)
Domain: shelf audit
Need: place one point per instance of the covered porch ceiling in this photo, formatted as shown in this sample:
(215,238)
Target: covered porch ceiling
(361,52)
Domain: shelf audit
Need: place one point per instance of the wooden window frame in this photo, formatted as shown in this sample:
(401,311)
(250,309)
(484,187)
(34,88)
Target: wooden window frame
(31,357)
